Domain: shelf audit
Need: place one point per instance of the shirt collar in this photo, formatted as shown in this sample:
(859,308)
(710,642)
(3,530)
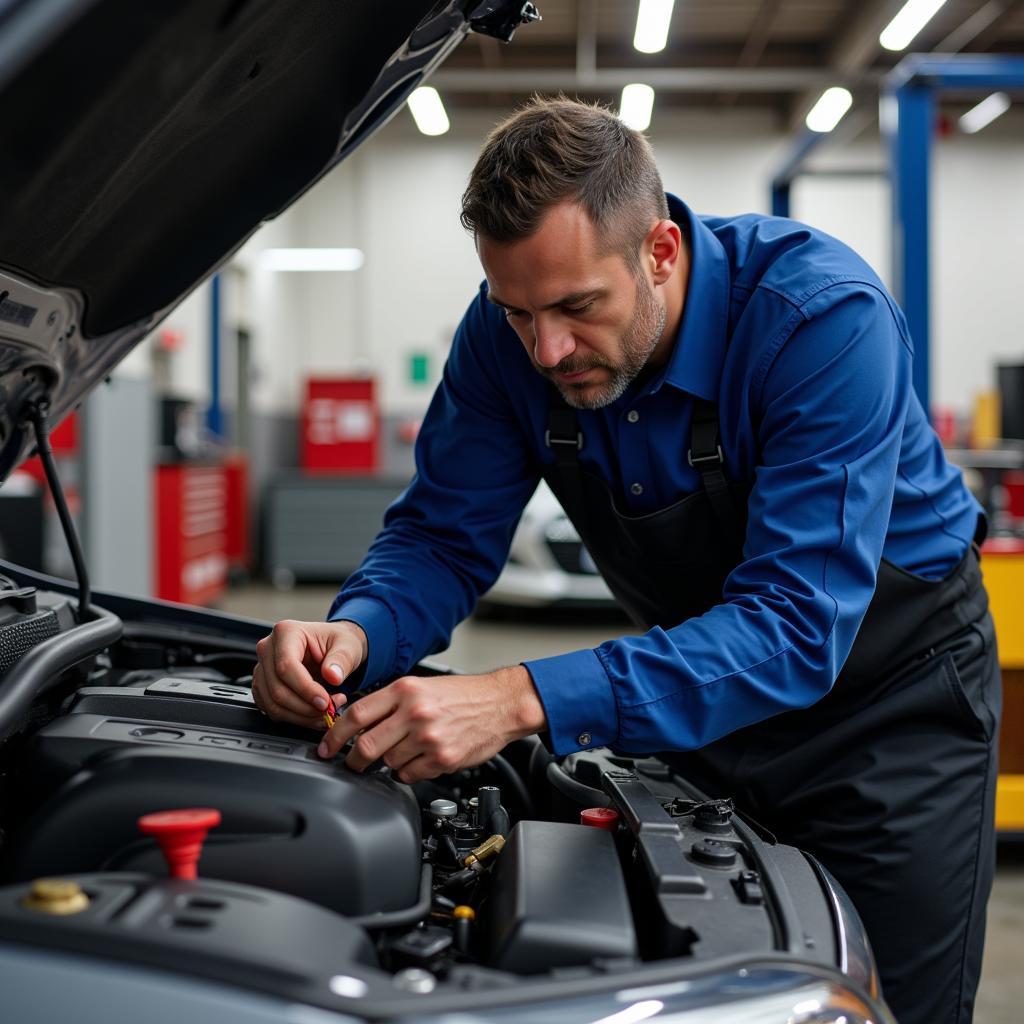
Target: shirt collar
(695,364)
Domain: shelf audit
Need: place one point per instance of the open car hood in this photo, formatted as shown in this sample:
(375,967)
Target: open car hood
(143,143)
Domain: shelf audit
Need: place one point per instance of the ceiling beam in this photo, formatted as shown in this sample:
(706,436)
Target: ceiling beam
(668,79)
(965,33)
(586,40)
(758,37)
(852,53)
(990,33)
(760,34)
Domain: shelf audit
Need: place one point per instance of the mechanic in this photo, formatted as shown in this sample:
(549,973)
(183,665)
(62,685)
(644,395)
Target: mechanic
(724,408)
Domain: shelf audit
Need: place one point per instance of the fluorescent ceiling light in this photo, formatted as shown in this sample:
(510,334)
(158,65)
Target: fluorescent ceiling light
(428,111)
(636,105)
(652,21)
(911,18)
(985,112)
(311,259)
(829,110)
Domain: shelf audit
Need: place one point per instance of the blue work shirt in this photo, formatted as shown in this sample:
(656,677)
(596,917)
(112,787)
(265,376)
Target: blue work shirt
(809,360)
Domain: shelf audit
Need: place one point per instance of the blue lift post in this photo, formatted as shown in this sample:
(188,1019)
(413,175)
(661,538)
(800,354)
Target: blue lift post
(907,118)
(214,414)
(793,167)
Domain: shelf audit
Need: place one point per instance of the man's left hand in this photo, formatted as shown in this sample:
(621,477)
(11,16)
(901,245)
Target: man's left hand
(423,727)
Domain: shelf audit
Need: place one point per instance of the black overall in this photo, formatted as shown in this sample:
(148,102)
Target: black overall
(889,780)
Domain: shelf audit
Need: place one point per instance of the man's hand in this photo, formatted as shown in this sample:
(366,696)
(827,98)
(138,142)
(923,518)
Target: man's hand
(424,727)
(294,658)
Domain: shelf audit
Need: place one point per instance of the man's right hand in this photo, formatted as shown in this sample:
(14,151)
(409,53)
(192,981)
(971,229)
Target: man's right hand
(294,662)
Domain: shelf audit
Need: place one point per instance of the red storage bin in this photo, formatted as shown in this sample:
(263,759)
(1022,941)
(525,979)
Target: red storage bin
(341,426)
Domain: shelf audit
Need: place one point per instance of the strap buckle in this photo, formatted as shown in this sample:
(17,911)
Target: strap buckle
(550,441)
(696,461)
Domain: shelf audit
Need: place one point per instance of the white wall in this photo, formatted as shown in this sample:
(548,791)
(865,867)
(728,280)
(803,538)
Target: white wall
(977,254)
(978,263)
(273,306)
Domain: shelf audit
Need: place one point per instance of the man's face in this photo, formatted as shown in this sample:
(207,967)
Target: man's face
(587,322)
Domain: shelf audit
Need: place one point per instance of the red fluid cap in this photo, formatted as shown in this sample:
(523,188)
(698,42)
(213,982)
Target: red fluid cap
(181,835)
(600,817)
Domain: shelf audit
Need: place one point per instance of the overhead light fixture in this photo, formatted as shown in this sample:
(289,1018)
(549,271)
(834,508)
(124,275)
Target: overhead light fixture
(428,111)
(311,260)
(985,112)
(909,20)
(635,106)
(829,110)
(652,21)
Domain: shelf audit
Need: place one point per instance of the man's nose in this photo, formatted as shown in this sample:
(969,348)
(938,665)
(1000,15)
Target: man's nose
(553,342)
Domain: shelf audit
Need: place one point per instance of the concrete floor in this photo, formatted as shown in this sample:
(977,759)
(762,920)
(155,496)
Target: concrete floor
(481,645)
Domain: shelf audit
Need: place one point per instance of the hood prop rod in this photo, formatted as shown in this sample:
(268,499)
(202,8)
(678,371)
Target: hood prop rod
(38,414)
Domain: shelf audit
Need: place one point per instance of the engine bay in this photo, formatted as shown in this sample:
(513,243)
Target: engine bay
(528,867)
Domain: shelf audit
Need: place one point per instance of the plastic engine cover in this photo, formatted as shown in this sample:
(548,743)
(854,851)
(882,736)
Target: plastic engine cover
(290,821)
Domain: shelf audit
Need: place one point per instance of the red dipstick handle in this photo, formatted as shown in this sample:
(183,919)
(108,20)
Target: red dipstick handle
(181,835)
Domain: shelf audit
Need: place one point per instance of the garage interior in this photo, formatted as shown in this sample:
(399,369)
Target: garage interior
(277,407)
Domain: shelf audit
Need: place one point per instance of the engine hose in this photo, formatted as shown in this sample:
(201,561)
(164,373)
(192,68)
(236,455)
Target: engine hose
(510,776)
(37,669)
(584,796)
(459,879)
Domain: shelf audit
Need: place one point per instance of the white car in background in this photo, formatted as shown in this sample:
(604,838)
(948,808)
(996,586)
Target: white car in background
(547,563)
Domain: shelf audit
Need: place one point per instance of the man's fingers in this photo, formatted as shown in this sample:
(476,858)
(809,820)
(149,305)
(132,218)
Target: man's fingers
(282,660)
(373,744)
(295,710)
(364,714)
(402,753)
(419,769)
(284,701)
(346,653)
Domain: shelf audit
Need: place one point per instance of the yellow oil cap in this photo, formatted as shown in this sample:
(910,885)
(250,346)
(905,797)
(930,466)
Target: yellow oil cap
(462,912)
(56,896)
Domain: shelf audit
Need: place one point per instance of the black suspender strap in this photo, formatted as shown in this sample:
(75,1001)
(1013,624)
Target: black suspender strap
(565,439)
(705,455)
(563,435)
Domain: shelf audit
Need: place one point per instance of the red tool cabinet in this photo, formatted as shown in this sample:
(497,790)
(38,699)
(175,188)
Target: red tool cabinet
(191,533)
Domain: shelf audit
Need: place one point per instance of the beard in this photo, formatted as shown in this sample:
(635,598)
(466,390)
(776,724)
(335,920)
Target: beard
(636,344)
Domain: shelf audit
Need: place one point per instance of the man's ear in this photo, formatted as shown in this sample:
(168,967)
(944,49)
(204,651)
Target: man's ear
(663,247)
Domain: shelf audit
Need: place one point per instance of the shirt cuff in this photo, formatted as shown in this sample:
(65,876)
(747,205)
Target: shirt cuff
(578,700)
(381,637)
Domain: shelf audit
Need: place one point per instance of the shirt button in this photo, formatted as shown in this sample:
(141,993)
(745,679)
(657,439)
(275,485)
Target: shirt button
(632,415)
(584,739)
(637,489)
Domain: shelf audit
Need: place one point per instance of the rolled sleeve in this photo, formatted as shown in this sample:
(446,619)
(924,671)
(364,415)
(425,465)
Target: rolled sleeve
(578,700)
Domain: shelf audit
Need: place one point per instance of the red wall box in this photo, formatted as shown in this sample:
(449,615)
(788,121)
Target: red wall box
(340,426)
(191,533)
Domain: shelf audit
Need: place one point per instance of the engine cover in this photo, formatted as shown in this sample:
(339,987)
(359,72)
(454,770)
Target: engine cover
(291,822)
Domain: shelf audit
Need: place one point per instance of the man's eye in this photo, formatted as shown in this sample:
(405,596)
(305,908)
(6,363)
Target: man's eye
(577,310)
(509,313)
